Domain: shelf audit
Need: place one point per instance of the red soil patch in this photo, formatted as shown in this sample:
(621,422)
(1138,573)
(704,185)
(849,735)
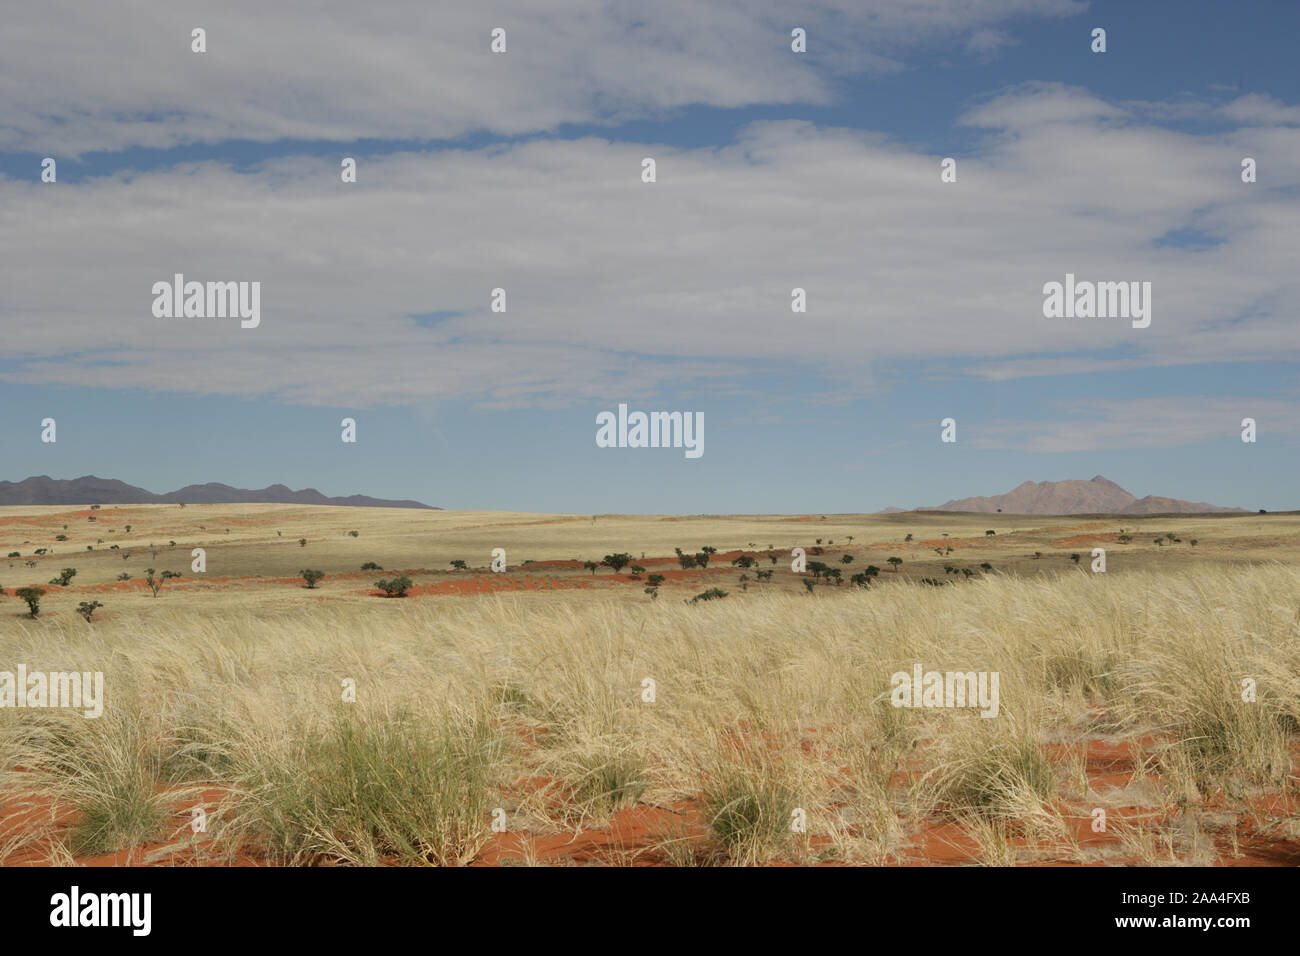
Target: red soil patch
(1086,540)
(486,585)
(634,836)
(183,846)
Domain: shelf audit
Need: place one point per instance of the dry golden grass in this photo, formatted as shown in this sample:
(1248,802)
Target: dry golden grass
(767,702)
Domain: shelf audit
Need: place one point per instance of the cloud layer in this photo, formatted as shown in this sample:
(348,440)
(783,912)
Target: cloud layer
(619,287)
(76,77)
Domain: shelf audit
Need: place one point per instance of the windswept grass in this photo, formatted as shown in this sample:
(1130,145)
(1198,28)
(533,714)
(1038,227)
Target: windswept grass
(764,703)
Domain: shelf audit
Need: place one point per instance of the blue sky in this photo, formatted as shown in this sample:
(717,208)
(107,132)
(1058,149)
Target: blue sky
(775,170)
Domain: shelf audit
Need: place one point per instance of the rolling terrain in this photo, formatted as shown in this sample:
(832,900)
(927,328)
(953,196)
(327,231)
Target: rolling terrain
(598,723)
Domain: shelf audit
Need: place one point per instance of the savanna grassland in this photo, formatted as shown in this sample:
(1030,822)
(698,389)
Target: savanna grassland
(601,715)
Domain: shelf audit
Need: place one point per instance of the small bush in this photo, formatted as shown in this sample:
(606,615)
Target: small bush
(397,587)
(87,608)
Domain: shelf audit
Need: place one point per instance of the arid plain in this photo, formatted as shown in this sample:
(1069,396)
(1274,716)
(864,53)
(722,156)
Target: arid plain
(646,709)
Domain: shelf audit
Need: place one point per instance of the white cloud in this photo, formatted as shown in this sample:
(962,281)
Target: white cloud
(1114,424)
(618,287)
(1258,110)
(78,76)
(987,43)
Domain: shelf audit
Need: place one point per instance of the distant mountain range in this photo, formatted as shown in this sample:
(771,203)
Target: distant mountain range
(1098,496)
(89,490)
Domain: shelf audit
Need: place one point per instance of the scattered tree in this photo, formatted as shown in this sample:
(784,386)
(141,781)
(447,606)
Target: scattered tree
(460,565)
(87,608)
(155,584)
(371,566)
(617,562)
(895,562)
(302,542)
(709,595)
(311,577)
(65,577)
(33,598)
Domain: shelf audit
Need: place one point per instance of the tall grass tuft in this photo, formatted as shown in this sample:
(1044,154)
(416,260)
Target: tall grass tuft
(397,790)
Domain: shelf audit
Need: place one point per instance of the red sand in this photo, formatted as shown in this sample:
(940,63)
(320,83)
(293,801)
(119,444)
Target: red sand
(637,835)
